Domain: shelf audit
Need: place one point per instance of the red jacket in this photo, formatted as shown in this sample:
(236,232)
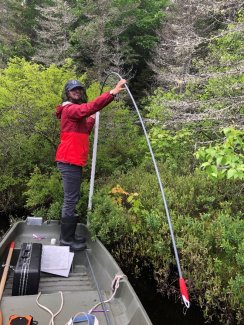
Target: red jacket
(76,125)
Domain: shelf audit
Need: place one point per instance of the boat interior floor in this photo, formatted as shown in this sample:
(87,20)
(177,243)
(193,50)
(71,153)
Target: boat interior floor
(88,283)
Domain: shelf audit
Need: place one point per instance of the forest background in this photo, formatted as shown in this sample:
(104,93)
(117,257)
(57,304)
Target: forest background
(184,63)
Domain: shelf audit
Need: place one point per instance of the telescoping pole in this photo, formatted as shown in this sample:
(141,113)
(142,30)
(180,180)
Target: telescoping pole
(182,284)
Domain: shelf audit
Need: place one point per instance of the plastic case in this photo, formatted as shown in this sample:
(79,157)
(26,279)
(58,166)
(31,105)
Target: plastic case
(27,271)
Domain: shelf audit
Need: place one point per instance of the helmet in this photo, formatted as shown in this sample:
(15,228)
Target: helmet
(71,84)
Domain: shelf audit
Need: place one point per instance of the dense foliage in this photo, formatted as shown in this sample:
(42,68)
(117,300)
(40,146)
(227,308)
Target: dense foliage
(98,35)
(193,113)
(208,226)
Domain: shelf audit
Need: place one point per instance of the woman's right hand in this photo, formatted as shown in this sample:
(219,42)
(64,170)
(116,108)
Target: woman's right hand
(118,88)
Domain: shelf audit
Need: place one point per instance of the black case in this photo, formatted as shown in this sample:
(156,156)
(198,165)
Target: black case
(27,270)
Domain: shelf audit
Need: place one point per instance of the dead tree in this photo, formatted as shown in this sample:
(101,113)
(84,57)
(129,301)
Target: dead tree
(185,37)
(53,33)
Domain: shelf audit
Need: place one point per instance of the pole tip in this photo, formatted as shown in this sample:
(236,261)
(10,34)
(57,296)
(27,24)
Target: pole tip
(184,292)
(12,244)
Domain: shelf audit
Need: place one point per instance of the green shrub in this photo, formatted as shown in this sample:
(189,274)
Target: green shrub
(206,217)
(108,221)
(224,160)
(45,193)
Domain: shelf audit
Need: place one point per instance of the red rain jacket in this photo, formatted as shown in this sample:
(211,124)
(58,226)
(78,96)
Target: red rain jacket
(76,125)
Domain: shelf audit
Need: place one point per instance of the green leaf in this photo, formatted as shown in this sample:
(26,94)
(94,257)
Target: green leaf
(231,173)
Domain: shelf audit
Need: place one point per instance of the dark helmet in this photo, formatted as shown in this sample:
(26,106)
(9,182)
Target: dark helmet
(71,84)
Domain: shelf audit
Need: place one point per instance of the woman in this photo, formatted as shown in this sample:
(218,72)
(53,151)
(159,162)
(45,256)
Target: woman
(77,120)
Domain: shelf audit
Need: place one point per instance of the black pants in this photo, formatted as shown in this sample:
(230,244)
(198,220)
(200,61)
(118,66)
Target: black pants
(72,176)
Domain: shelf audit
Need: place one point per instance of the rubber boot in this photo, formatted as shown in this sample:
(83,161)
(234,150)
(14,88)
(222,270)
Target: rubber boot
(67,236)
(78,237)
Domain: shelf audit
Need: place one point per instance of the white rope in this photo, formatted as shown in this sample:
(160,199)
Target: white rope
(48,310)
(115,286)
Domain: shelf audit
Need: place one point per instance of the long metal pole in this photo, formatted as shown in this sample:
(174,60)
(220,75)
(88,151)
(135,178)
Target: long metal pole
(93,169)
(182,284)
(94,155)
